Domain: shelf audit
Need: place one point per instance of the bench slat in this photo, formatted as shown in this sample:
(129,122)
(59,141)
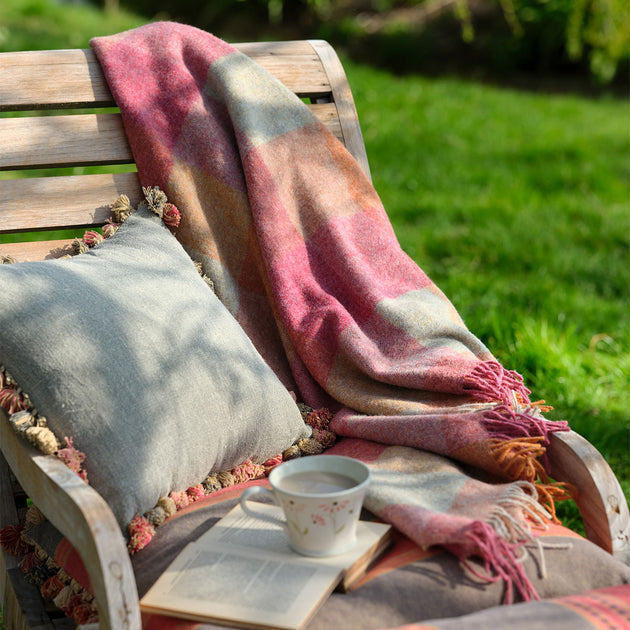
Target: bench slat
(76,140)
(32,80)
(57,203)
(46,79)
(86,139)
(37,250)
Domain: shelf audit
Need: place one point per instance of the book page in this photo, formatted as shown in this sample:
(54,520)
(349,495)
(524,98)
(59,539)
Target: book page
(240,585)
(243,572)
(238,528)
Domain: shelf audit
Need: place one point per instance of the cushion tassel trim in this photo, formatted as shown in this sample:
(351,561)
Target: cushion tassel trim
(31,426)
(54,584)
(142,527)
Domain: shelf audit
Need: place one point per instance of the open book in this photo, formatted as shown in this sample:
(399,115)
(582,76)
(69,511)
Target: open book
(242,572)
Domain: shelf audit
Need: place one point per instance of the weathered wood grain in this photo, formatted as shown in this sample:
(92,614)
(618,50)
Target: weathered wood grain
(78,511)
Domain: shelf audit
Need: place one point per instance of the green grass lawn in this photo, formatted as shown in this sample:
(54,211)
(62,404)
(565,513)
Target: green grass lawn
(518,207)
(516,204)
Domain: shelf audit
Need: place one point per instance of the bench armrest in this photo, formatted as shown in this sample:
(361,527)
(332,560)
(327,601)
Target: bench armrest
(80,513)
(600,499)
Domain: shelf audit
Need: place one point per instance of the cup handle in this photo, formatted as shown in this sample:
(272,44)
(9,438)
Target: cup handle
(255,513)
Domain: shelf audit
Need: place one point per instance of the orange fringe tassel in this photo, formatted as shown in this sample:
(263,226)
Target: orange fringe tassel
(519,459)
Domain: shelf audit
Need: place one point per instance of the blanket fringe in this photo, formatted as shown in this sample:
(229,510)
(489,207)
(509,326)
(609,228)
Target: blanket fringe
(491,382)
(500,559)
(524,430)
(508,421)
(520,436)
(521,499)
(518,460)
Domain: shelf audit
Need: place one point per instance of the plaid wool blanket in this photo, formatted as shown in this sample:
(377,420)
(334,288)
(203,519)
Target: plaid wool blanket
(301,251)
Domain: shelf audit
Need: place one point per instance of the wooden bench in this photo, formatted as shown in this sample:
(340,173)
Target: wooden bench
(58,83)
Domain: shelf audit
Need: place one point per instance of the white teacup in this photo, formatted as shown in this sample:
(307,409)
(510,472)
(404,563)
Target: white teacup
(321,497)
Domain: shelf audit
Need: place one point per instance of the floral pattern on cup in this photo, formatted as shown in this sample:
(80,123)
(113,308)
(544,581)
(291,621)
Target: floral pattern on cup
(318,521)
(326,514)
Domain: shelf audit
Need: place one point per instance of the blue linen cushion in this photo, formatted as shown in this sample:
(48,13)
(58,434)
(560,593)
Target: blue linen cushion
(126,350)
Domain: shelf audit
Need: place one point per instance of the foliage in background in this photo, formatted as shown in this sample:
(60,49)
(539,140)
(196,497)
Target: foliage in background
(597,29)
(500,35)
(604,28)
(46,24)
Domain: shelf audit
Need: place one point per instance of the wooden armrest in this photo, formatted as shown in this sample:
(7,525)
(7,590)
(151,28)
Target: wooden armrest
(81,514)
(599,496)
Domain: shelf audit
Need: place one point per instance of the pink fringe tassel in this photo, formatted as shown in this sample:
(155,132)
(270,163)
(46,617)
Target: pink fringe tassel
(506,423)
(500,560)
(491,382)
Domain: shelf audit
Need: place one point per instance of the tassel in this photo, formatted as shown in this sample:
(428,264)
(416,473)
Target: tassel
(92,238)
(304,410)
(72,457)
(310,446)
(271,463)
(122,209)
(171,215)
(324,437)
(140,534)
(168,505)
(156,199)
(12,399)
(73,602)
(246,471)
(499,557)
(11,540)
(79,247)
(181,499)
(211,484)
(21,421)
(84,613)
(226,479)
(292,453)
(33,517)
(319,419)
(52,587)
(29,561)
(50,564)
(110,228)
(155,516)
(195,493)
(63,597)
(491,382)
(43,438)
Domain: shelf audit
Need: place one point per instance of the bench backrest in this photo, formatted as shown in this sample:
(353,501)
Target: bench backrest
(67,119)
